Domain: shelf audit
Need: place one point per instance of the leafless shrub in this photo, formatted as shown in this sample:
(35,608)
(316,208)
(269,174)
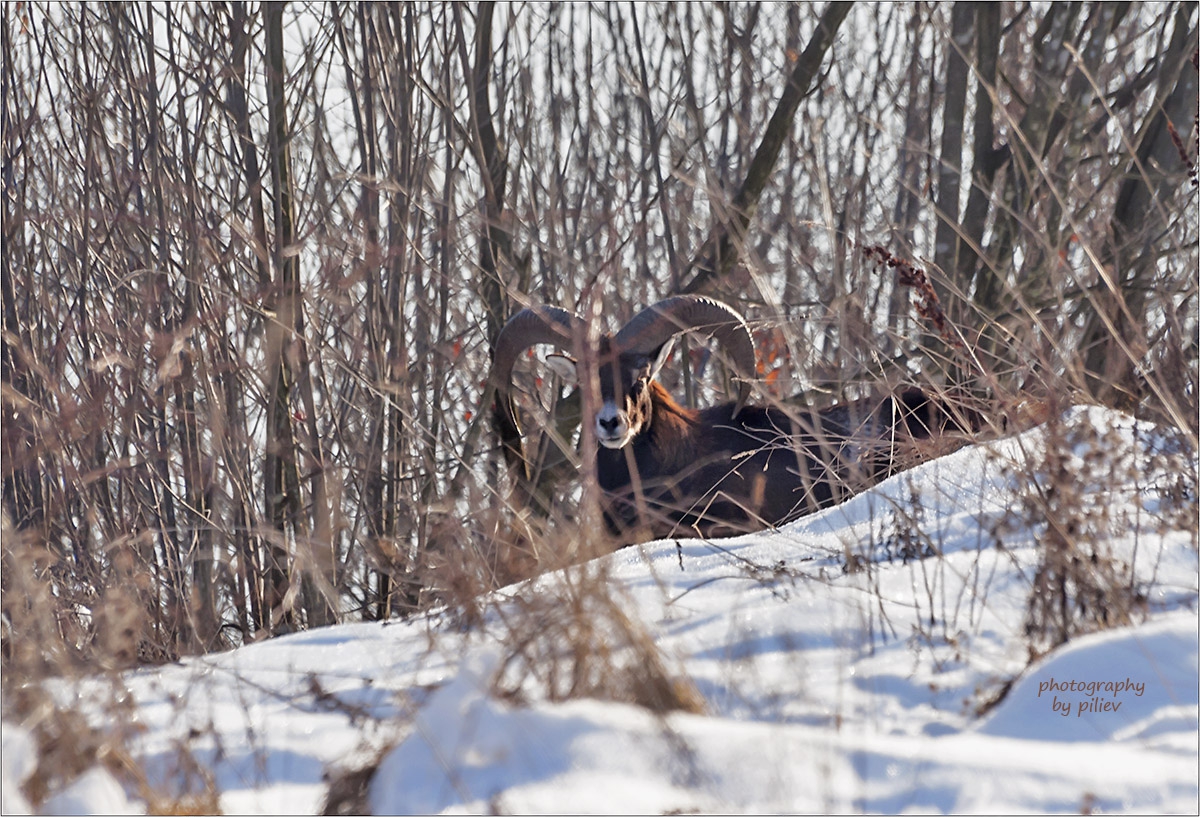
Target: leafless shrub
(247,313)
(573,640)
(139,374)
(1079,586)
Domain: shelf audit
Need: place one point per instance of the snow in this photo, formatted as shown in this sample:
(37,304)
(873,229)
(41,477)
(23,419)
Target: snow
(95,791)
(902,685)
(18,760)
(1131,685)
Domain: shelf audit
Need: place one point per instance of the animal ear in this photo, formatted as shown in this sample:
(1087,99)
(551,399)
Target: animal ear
(565,367)
(660,357)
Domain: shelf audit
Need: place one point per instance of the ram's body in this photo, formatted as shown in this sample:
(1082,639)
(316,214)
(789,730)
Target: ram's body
(670,471)
(706,472)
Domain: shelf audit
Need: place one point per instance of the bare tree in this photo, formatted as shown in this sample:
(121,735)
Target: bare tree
(255,256)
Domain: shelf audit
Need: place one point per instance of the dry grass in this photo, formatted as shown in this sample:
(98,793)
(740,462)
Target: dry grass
(573,639)
(142,271)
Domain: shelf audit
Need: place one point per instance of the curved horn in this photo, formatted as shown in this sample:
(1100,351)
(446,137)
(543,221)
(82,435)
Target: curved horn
(530,326)
(656,324)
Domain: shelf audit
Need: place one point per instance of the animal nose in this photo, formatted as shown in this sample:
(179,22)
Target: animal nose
(609,425)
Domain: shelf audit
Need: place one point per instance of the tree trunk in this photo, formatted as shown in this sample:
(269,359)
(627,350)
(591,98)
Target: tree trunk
(946,243)
(282,488)
(720,252)
(263,560)
(1113,343)
(987,160)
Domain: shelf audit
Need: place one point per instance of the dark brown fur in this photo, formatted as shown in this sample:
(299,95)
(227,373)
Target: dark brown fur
(708,473)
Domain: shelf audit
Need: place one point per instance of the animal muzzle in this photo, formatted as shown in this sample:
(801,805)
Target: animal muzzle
(612,426)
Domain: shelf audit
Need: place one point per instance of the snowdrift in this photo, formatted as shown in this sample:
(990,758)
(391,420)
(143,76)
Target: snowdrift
(880,656)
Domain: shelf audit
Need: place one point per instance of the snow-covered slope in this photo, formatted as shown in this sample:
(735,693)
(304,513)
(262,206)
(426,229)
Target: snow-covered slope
(873,657)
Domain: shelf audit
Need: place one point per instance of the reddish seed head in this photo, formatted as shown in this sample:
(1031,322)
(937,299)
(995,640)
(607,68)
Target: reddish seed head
(929,307)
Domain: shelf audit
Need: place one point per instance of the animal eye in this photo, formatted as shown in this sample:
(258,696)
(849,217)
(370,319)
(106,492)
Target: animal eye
(638,386)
